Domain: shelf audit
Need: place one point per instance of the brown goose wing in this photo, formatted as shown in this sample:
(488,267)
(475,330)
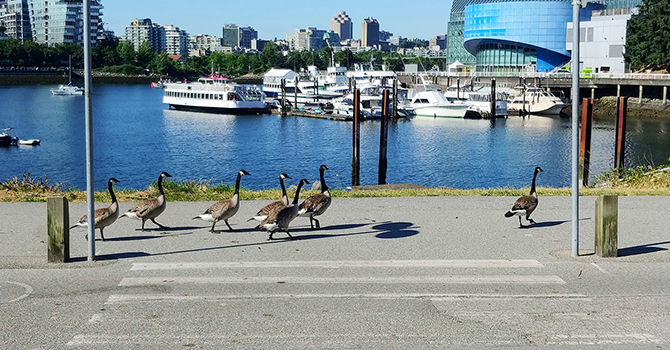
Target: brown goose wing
(270,207)
(314,203)
(527,203)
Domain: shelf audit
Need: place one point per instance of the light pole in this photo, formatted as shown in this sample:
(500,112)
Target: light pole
(89,130)
(576,4)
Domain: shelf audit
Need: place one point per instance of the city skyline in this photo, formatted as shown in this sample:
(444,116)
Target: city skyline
(400,18)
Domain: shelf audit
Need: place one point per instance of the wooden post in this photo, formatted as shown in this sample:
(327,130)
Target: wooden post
(606,225)
(665,95)
(394,110)
(458,89)
(493,98)
(355,160)
(618,90)
(639,100)
(383,139)
(295,94)
(585,142)
(283,97)
(58,229)
(620,147)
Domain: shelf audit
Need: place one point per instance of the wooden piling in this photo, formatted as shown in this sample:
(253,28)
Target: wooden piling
(665,95)
(458,89)
(394,110)
(607,225)
(283,98)
(620,146)
(356,156)
(58,229)
(492,115)
(585,142)
(639,100)
(383,139)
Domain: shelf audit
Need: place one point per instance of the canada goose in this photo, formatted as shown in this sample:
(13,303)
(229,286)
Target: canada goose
(263,213)
(525,205)
(150,208)
(318,203)
(103,217)
(225,209)
(280,218)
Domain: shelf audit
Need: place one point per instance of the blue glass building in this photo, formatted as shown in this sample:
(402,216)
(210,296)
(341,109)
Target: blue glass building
(511,35)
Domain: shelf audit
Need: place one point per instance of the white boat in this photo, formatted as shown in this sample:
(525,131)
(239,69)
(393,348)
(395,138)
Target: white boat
(29,142)
(480,101)
(68,89)
(215,94)
(537,101)
(429,101)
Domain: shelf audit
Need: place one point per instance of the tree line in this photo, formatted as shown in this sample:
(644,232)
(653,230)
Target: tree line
(114,56)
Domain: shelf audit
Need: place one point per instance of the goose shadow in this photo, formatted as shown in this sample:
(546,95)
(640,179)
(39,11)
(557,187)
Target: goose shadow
(168,229)
(549,223)
(642,249)
(395,230)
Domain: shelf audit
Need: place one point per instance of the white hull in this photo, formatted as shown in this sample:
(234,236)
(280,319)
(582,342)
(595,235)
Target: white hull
(444,111)
(64,90)
(215,95)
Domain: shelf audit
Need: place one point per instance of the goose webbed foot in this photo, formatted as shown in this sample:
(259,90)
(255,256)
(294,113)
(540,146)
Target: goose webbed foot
(289,235)
(159,225)
(227,224)
(270,238)
(531,221)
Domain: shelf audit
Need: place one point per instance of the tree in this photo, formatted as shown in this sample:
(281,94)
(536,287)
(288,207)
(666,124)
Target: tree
(648,36)
(271,56)
(126,52)
(144,54)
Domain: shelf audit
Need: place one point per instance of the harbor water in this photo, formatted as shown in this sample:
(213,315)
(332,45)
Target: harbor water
(136,137)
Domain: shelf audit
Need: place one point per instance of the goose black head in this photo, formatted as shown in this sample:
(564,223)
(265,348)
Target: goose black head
(323,167)
(538,169)
(243,172)
(304,182)
(113,180)
(284,176)
(164,175)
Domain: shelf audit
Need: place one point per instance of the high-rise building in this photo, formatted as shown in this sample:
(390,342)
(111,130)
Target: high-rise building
(439,41)
(15,18)
(310,39)
(235,36)
(370,32)
(204,44)
(62,21)
(176,40)
(342,25)
(141,30)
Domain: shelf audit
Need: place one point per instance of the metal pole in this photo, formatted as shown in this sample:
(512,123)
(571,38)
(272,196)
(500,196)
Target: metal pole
(89,130)
(576,4)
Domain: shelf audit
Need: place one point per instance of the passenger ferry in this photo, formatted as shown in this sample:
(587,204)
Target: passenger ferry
(215,94)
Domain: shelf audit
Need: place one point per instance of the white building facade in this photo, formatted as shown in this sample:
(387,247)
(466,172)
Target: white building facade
(176,40)
(62,21)
(141,30)
(15,18)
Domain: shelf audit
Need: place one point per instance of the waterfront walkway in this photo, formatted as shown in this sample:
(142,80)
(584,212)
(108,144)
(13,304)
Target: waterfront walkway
(382,273)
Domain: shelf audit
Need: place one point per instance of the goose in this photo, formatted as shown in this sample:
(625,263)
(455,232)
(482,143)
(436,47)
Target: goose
(103,217)
(263,213)
(318,203)
(280,218)
(150,208)
(225,209)
(525,205)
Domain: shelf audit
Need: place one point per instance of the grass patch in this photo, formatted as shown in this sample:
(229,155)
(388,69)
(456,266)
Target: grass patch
(638,181)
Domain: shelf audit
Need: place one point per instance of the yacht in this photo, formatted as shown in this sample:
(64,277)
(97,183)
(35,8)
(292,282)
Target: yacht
(429,101)
(215,94)
(69,88)
(480,102)
(537,101)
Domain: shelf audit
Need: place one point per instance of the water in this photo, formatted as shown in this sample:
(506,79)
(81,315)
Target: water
(136,137)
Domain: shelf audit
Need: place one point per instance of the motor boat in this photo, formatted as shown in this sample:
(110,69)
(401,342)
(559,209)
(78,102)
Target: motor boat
(6,139)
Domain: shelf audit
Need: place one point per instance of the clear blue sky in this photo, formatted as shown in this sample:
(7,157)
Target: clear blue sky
(410,19)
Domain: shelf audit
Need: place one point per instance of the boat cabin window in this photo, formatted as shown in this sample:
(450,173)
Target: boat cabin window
(421,100)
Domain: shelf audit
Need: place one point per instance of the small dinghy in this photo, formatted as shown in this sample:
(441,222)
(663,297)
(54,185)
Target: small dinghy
(30,142)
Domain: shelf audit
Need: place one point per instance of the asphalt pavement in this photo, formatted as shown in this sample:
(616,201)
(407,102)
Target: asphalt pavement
(382,273)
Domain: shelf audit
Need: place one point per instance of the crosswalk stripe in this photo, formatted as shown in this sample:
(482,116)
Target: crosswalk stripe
(447,279)
(491,263)
(139,298)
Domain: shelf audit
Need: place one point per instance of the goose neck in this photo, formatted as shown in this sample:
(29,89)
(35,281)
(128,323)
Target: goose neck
(532,187)
(297,193)
(110,187)
(324,187)
(237,184)
(160,186)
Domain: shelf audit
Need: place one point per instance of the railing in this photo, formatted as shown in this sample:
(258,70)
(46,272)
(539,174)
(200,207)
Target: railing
(623,76)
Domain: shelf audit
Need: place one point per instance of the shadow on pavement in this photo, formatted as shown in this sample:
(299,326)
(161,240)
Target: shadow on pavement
(395,230)
(642,249)
(127,255)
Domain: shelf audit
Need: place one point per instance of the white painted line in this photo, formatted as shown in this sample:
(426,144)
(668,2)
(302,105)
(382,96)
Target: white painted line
(599,268)
(27,291)
(447,279)
(341,264)
(599,339)
(140,298)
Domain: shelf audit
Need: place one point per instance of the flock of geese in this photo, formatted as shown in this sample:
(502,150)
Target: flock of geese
(274,217)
